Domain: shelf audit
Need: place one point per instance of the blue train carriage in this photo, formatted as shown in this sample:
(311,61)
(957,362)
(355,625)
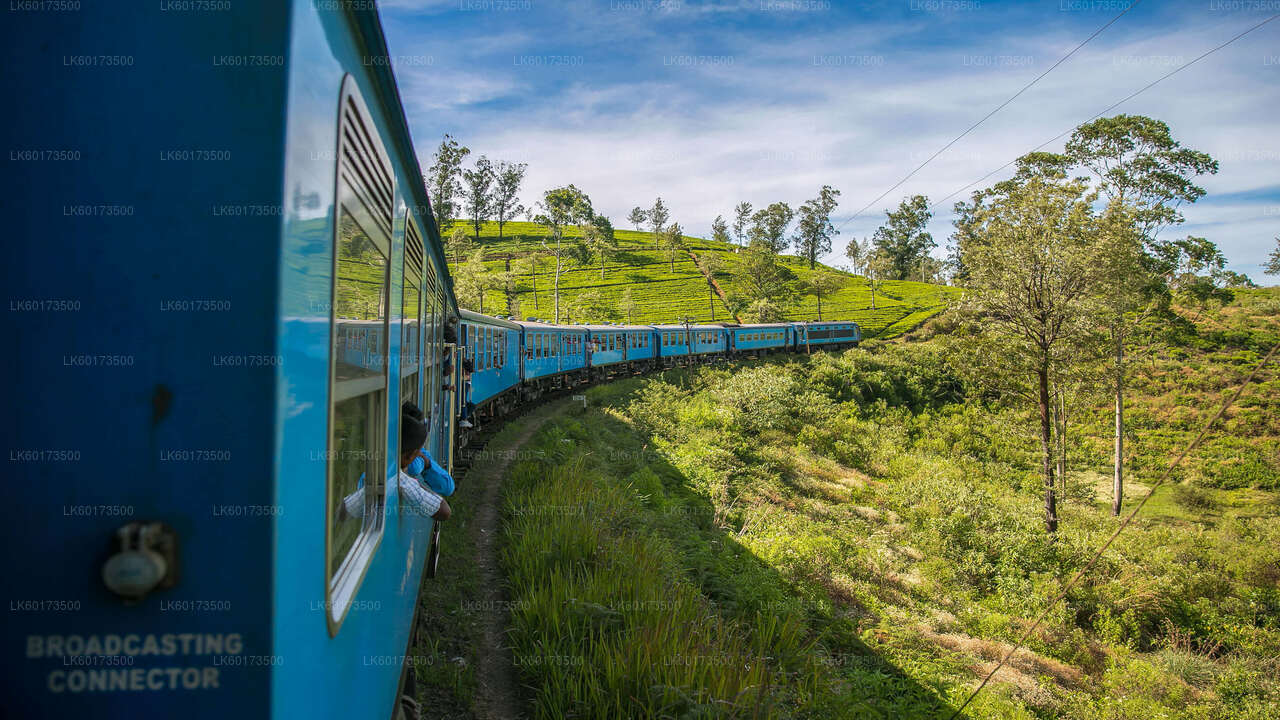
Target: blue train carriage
(613,349)
(758,339)
(493,347)
(689,343)
(202,385)
(827,335)
(552,356)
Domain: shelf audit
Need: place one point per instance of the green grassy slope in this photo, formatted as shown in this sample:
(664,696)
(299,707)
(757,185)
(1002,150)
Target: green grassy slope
(859,535)
(662,294)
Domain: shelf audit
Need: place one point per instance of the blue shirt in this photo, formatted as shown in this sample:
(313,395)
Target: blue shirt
(427,470)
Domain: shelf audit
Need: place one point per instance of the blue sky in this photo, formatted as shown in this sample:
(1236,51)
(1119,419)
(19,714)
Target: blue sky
(711,103)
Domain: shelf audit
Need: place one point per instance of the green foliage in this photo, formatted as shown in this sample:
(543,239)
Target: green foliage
(660,295)
(873,512)
(902,239)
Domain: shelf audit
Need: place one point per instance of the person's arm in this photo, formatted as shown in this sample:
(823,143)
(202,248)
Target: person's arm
(422,500)
(436,477)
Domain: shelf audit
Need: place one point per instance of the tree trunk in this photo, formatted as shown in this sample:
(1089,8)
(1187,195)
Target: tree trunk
(533,274)
(556,290)
(1046,453)
(1118,483)
(711,291)
(873,294)
(819,308)
(1062,443)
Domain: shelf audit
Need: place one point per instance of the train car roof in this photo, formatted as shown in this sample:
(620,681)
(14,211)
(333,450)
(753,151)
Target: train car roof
(384,82)
(538,325)
(753,326)
(475,317)
(618,328)
(690,327)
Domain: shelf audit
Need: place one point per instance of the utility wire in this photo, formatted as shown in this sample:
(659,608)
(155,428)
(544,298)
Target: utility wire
(997,109)
(1111,107)
(1128,519)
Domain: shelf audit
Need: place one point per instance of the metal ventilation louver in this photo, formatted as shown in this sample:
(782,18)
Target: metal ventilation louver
(413,247)
(363,164)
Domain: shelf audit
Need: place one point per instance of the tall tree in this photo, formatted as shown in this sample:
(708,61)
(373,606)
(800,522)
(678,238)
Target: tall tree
(638,217)
(599,240)
(506,204)
(458,244)
(854,251)
(444,181)
(472,280)
(1273,261)
(879,266)
(1134,161)
(532,261)
(658,216)
(764,282)
(821,284)
(815,231)
(1033,282)
(476,195)
(769,226)
(711,263)
(673,242)
(560,208)
(627,305)
(741,221)
(720,230)
(903,239)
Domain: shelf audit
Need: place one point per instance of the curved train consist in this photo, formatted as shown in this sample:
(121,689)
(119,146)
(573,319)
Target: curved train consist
(217,310)
(515,361)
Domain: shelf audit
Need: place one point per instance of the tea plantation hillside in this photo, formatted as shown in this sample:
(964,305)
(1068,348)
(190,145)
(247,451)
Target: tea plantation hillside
(665,292)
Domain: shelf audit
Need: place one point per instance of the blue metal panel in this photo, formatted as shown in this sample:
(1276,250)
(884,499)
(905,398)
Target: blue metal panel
(496,361)
(150,393)
(354,672)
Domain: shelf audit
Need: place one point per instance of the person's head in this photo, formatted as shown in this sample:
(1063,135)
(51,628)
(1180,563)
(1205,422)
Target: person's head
(413,433)
(466,366)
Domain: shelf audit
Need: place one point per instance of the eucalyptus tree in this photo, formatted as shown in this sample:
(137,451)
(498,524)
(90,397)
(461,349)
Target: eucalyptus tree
(741,221)
(720,230)
(814,230)
(854,251)
(711,263)
(627,305)
(601,246)
(673,242)
(1273,261)
(638,217)
(508,177)
(823,283)
(561,208)
(458,244)
(1033,287)
(903,240)
(444,180)
(658,216)
(761,277)
(1134,160)
(476,196)
(769,226)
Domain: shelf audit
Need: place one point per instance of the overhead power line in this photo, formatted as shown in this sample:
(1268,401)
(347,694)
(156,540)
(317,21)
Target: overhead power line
(1109,108)
(997,109)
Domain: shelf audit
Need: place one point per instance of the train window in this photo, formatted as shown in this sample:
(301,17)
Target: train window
(432,330)
(356,455)
(411,314)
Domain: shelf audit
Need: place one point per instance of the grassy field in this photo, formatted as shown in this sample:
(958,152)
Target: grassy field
(860,535)
(662,294)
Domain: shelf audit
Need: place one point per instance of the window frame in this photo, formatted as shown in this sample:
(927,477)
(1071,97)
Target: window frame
(370,208)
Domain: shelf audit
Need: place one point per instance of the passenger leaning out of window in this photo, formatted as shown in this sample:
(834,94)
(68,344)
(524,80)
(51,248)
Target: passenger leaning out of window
(417,499)
(464,417)
(422,467)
